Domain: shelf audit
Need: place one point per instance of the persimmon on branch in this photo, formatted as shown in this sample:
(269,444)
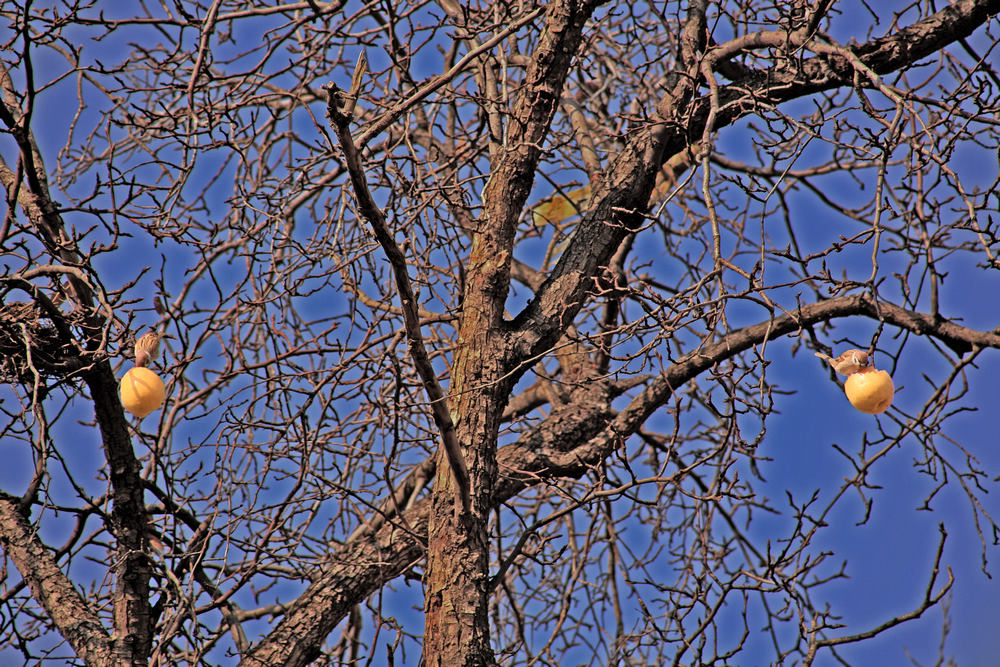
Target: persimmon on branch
(29,188)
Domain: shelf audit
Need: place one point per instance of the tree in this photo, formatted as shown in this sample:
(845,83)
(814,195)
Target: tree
(509,299)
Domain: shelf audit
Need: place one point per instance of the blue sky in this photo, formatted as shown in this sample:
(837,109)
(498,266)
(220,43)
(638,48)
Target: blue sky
(888,556)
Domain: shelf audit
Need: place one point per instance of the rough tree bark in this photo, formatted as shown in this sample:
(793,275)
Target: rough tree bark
(456,587)
(590,416)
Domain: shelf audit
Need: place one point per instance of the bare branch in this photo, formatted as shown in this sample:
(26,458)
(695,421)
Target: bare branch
(411,316)
(68,609)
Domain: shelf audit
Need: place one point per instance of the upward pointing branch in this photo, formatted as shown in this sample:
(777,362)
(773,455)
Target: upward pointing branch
(376,218)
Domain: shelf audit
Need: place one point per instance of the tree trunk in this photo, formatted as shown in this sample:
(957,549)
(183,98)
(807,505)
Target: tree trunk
(457,580)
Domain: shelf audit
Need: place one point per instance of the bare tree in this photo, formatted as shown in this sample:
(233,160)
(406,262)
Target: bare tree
(498,297)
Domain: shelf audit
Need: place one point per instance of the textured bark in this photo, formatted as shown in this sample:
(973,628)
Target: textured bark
(456,586)
(54,591)
(457,581)
(352,573)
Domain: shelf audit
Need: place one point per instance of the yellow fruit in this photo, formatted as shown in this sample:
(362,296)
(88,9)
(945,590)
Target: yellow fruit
(869,390)
(141,391)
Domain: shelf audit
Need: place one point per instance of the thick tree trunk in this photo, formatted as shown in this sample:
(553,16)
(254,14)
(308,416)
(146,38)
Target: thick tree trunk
(456,586)
(457,581)
(133,625)
(484,368)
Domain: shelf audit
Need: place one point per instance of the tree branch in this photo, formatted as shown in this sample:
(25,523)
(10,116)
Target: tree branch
(68,609)
(392,115)
(930,599)
(411,317)
(132,612)
(616,206)
(574,439)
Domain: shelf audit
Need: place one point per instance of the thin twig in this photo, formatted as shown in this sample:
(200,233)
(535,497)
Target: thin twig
(390,116)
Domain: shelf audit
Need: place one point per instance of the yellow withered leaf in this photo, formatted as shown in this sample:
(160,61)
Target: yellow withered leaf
(561,207)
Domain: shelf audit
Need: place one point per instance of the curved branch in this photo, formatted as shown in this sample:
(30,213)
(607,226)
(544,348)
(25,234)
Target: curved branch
(634,415)
(930,599)
(381,123)
(411,317)
(617,205)
(573,439)
(70,612)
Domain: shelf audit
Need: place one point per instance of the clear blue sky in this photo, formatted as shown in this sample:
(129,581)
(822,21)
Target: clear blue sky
(888,556)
